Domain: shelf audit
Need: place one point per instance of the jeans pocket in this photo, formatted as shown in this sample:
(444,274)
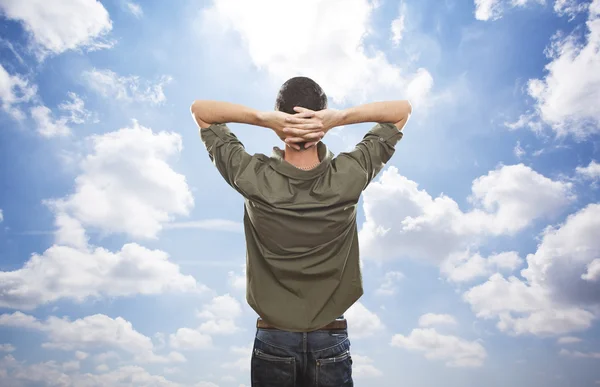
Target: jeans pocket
(272,371)
(335,371)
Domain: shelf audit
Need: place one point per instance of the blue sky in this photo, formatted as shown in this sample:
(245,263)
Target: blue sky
(121,251)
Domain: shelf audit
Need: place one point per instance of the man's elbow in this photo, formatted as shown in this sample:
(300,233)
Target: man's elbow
(405,112)
(195,110)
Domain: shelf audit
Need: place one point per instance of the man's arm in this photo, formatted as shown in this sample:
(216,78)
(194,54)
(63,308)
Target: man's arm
(395,112)
(207,113)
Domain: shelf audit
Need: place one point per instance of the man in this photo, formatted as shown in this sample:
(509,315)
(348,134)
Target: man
(302,262)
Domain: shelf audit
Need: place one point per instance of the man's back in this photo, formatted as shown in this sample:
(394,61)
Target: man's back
(301,232)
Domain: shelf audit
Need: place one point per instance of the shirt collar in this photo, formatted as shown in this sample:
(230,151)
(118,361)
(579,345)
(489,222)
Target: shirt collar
(285,168)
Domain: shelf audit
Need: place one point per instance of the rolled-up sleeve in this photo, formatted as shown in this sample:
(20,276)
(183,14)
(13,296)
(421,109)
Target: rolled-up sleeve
(375,149)
(225,151)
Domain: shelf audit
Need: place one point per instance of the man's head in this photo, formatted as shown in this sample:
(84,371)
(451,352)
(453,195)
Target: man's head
(303,92)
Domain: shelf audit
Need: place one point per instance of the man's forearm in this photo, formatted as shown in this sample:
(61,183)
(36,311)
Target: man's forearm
(380,112)
(212,112)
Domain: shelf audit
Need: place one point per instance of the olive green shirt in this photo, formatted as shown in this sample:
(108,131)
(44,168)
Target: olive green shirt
(302,253)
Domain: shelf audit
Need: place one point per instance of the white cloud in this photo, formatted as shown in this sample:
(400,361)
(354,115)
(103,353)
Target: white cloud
(62,24)
(52,373)
(221,307)
(1,216)
(7,348)
(77,113)
(47,125)
(66,272)
(397,29)
(493,9)
(220,314)
(363,367)
(568,340)
(362,322)
(430,319)
(238,280)
(80,355)
(14,90)
(569,7)
(70,232)
(389,285)
(127,177)
(464,266)
(519,151)
(401,218)
(579,354)
(456,352)
(243,355)
(347,69)
(189,339)
(593,271)
(135,9)
(91,332)
(591,172)
(126,88)
(566,98)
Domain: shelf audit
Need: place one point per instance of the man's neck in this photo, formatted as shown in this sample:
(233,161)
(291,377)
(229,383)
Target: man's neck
(302,159)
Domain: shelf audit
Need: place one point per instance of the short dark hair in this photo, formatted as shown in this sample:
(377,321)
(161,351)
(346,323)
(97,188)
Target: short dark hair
(303,92)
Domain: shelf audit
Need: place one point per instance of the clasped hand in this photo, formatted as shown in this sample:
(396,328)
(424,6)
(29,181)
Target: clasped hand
(306,125)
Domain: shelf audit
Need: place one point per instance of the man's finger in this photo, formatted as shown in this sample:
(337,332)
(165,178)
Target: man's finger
(307,126)
(300,109)
(298,131)
(313,136)
(292,140)
(305,114)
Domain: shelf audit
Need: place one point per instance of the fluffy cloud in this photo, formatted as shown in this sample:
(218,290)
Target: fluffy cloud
(402,218)
(591,172)
(52,373)
(91,332)
(342,63)
(127,177)
(568,340)
(1,216)
(579,354)
(67,272)
(219,315)
(7,348)
(493,9)
(75,108)
(362,322)
(126,88)
(14,90)
(566,98)
(430,319)
(397,27)
(47,125)
(464,266)
(135,9)
(190,339)
(558,291)
(558,288)
(454,351)
(389,285)
(61,25)
(363,367)
(243,355)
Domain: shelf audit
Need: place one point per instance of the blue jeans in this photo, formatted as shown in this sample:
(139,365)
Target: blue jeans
(290,359)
